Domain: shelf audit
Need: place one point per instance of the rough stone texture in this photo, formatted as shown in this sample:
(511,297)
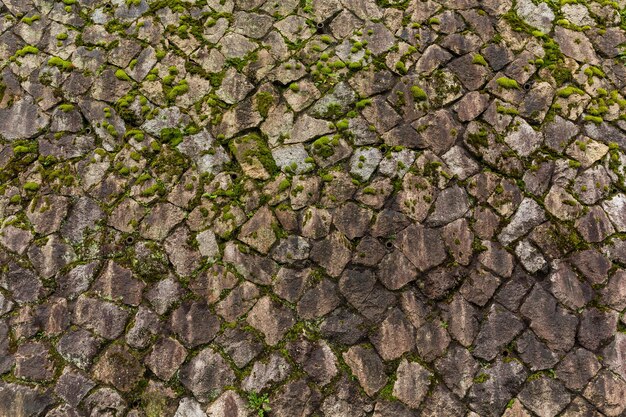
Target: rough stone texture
(367,366)
(206,375)
(345,208)
(411,384)
(544,396)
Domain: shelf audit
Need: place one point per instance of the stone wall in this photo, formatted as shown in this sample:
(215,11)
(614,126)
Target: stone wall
(220,208)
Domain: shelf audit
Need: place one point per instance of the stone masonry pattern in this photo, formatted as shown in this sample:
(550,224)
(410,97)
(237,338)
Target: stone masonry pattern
(330,208)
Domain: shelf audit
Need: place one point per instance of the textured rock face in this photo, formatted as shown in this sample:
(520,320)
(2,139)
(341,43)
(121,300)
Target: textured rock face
(330,208)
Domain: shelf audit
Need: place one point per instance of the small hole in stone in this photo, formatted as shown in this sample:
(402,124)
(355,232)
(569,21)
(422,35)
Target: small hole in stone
(108,6)
(389,244)
(384,148)
(505,353)
(88,130)
(320,27)
(528,86)
(130,240)
(234,175)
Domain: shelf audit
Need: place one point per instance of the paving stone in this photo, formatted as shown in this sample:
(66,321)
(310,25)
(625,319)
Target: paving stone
(394,337)
(577,368)
(550,322)
(194,323)
(165,358)
(206,375)
(596,327)
(295,398)
(412,383)
(606,391)
(495,387)
(362,291)
(545,396)
(457,368)
(266,373)
(271,319)
(499,328)
(117,366)
(103,317)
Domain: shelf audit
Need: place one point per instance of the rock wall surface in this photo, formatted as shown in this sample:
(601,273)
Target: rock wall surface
(312,208)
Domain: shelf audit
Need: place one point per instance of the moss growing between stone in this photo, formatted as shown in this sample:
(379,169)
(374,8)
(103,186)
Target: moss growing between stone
(508,83)
(595,119)
(62,64)
(418,93)
(172,136)
(65,108)
(264,102)
(507,110)
(28,49)
(568,91)
(29,20)
(31,186)
(325,146)
(120,74)
(479,60)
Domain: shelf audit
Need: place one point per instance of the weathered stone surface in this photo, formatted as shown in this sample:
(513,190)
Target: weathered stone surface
(117,366)
(544,396)
(12,117)
(33,362)
(593,265)
(206,375)
(462,319)
(21,400)
(528,215)
(549,321)
(319,300)
(432,340)
(497,259)
(577,368)
(492,392)
(412,383)
(103,317)
(596,327)
(73,386)
(266,373)
(568,288)
(295,398)
(194,323)
(423,246)
(394,337)
(500,327)
(457,368)
(606,391)
(451,204)
(188,407)
(117,283)
(165,358)
(332,253)
(271,319)
(534,352)
(364,294)
(395,270)
(367,366)
(240,345)
(353,208)
(78,347)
